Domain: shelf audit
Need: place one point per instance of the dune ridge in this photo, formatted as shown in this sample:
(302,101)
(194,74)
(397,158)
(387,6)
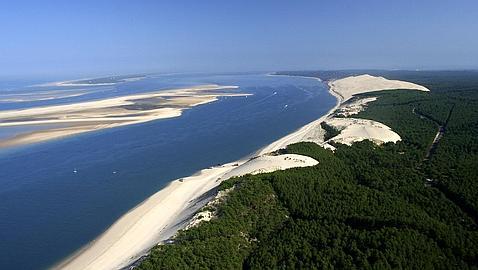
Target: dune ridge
(349,86)
(160,216)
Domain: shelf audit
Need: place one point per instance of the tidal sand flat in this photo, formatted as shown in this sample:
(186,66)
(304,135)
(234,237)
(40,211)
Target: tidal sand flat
(42,95)
(106,113)
(172,208)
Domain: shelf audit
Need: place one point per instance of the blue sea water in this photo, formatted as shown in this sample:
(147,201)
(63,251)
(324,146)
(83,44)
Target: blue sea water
(57,196)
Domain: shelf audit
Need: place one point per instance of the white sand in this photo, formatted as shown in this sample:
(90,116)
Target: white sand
(41,96)
(356,130)
(84,107)
(354,107)
(158,217)
(107,113)
(343,90)
(347,87)
(90,83)
(311,132)
(268,163)
(161,215)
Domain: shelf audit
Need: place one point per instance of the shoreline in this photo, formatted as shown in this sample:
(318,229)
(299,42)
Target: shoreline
(170,209)
(206,181)
(299,134)
(160,216)
(86,116)
(163,194)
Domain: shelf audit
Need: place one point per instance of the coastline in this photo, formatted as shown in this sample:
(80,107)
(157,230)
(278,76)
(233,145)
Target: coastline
(301,133)
(160,216)
(187,195)
(198,184)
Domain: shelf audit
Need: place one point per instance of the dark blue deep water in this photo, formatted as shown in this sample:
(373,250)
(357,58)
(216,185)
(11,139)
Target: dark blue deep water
(47,211)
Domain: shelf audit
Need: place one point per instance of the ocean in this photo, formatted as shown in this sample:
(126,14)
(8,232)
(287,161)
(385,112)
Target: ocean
(58,195)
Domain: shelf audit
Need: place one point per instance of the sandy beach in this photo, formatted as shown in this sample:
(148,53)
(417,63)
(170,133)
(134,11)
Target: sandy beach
(353,130)
(160,216)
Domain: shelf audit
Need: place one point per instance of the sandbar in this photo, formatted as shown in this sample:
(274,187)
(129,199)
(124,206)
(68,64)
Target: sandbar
(108,113)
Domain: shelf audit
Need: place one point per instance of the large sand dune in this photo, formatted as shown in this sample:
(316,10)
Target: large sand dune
(347,87)
(160,216)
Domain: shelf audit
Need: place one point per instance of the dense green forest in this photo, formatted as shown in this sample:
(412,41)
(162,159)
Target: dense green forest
(363,206)
(330,131)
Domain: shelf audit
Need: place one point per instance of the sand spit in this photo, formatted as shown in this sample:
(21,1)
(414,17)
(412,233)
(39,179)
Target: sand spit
(42,95)
(172,208)
(105,81)
(161,215)
(107,113)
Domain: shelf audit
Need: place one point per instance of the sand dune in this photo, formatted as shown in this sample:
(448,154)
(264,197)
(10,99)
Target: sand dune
(343,90)
(353,107)
(347,87)
(356,130)
(269,163)
(160,216)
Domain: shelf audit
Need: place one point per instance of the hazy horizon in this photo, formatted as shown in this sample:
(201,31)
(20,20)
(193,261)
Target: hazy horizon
(87,38)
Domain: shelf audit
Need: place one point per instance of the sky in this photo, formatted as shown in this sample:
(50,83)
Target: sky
(86,38)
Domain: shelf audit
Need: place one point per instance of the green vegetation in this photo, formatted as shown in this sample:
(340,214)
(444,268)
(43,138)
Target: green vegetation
(112,79)
(364,206)
(330,131)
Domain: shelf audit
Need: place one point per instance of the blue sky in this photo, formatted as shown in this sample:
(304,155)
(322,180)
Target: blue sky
(69,38)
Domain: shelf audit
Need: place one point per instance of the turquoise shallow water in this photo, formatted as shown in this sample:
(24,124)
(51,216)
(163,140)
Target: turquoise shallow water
(48,211)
